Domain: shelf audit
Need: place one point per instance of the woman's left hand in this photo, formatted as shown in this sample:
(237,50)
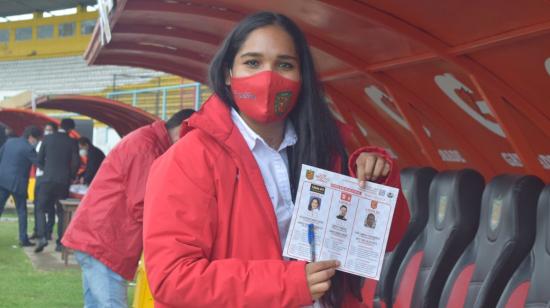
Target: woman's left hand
(370,167)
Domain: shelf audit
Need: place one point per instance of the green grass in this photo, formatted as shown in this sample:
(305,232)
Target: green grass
(23,286)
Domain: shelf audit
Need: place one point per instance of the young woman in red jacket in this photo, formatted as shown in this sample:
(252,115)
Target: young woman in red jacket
(219,202)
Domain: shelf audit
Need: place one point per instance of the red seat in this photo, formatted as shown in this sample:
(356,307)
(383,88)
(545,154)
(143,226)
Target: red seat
(415,184)
(454,203)
(506,234)
(529,286)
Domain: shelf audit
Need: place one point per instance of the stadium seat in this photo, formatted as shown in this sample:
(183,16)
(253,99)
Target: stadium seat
(415,184)
(504,238)
(529,285)
(454,205)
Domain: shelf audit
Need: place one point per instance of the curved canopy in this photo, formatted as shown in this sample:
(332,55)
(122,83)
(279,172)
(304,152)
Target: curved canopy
(121,117)
(18,119)
(451,84)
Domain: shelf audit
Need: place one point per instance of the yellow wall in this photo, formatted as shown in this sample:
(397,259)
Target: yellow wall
(43,48)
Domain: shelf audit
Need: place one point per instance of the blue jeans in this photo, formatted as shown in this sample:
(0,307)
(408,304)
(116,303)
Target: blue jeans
(102,287)
(21,207)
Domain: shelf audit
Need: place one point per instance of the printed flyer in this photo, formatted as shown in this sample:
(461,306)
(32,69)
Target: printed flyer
(335,219)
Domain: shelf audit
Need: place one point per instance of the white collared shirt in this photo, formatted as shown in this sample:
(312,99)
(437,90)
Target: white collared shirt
(274,168)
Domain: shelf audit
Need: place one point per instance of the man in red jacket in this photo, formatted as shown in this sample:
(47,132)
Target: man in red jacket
(106,232)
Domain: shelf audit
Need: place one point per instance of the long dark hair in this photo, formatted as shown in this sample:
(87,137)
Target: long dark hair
(319,142)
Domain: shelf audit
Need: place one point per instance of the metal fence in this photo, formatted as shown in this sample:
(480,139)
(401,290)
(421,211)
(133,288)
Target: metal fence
(164,101)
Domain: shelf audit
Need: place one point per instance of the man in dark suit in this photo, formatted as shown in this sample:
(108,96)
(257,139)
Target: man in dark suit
(58,158)
(49,129)
(16,158)
(94,159)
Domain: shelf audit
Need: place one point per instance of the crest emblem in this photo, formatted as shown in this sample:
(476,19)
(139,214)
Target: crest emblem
(496,210)
(282,100)
(373,204)
(441,209)
(310,174)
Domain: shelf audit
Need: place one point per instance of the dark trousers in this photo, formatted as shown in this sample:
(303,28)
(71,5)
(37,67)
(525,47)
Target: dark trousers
(50,213)
(48,196)
(20,206)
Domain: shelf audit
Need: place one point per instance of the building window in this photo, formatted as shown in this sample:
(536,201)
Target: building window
(4,36)
(87,26)
(66,29)
(45,32)
(23,34)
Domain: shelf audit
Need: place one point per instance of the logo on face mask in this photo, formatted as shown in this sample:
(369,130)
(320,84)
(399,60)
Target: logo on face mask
(265,97)
(282,101)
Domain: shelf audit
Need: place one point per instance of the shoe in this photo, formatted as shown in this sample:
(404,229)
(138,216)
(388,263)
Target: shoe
(41,244)
(27,243)
(33,237)
(59,247)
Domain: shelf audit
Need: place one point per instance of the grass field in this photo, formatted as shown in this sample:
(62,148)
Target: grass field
(23,286)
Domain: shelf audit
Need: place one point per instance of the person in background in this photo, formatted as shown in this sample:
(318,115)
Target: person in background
(49,129)
(58,157)
(17,156)
(10,133)
(3,136)
(107,227)
(94,158)
(219,203)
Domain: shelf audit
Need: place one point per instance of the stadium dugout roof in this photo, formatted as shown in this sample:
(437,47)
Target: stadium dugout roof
(18,119)
(451,84)
(121,117)
(18,7)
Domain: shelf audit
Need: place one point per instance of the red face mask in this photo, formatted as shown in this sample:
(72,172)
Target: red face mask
(265,97)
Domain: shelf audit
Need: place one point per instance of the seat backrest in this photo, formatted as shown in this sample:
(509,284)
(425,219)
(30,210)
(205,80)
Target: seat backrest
(415,185)
(506,234)
(529,285)
(454,202)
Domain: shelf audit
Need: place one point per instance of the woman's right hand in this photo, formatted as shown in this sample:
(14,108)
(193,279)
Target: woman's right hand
(318,276)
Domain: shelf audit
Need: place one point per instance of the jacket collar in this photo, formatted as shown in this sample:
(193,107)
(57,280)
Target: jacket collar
(163,137)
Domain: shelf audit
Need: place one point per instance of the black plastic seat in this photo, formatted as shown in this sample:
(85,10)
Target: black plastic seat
(505,236)
(454,206)
(415,185)
(529,286)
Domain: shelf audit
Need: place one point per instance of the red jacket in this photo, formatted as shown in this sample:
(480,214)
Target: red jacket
(108,222)
(210,231)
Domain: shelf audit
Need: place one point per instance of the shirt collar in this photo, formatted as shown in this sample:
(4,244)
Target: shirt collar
(252,138)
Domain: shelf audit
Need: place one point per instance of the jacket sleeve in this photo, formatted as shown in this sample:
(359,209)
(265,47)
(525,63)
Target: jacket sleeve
(401,214)
(32,156)
(42,154)
(75,159)
(135,170)
(180,227)
(94,162)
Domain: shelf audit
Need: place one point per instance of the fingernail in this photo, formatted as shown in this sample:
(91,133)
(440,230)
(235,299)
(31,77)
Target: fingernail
(362,184)
(337,263)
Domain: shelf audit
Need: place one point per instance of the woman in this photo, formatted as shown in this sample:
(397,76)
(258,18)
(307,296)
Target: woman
(219,202)
(314,204)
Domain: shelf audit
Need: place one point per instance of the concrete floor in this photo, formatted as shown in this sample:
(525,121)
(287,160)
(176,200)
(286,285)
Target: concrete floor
(49,259)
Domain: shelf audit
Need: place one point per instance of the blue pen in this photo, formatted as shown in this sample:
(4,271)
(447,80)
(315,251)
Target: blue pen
(311,240)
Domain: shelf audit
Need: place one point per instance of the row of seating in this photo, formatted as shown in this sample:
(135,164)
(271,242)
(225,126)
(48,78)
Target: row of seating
(468,245)
(67,75)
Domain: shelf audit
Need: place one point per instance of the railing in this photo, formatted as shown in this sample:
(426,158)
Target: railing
(163,101)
